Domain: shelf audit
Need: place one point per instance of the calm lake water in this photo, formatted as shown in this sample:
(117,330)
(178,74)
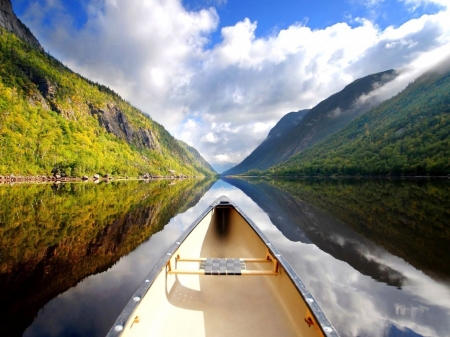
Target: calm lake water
(374,253)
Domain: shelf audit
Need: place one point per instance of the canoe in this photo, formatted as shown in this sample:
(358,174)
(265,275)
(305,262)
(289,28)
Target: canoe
(222,277)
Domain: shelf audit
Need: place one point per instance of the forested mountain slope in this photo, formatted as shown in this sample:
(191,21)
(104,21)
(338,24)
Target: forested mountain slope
(322,120)
(196,155)
(407,134)
(257,159)
(54,119)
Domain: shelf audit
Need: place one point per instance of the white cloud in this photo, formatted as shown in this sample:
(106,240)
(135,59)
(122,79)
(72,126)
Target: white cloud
(262,127)
(210,138)
(222,158)
(224,99)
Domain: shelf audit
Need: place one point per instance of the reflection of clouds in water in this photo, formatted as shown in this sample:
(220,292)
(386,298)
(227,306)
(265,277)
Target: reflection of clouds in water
(431,291)
(356,304)
(339,240)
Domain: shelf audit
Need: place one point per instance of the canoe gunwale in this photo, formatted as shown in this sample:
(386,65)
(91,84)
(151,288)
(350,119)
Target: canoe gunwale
(325,326)
(126,313)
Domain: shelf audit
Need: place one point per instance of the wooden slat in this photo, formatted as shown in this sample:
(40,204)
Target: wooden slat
(243,272)
(201,259)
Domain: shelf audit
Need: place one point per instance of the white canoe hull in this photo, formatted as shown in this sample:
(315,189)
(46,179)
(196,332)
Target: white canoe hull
(222,278)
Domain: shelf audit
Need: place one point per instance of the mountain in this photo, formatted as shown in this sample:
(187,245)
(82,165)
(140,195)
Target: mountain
(407,134)
(257,158)
(54,120)
(197,156)
(322,120)
(11,23)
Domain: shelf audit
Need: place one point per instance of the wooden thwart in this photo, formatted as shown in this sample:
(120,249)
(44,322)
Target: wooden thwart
(224,266)
(200,259)
(202,272)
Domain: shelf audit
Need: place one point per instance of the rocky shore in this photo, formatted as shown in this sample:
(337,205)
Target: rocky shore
(96,178)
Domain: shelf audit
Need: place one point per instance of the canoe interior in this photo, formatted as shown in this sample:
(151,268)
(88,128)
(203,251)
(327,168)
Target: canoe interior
(201,305)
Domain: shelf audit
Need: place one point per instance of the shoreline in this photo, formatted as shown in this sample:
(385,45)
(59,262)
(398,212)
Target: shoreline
(52,179)
(340,176)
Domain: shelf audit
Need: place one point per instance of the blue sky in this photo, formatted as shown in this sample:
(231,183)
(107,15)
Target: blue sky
(275,15)
(280,14)
(219,74)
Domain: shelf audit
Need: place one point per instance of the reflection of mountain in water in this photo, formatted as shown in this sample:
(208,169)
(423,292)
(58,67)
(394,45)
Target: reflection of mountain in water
(408,218)
(53,237)
(300,221)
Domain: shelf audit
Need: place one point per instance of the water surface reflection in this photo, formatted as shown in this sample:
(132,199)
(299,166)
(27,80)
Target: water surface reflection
(367,235)
(344,240)
(54,236)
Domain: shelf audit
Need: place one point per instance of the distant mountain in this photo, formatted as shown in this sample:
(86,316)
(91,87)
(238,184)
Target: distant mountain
(257,159)
(54,120)
(322,120)
(197,156)
(407,134)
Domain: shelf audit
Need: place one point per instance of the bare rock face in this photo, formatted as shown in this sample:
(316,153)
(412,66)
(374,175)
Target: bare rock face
(115,121)
(48,91)
(47,88)
(148,139)
(38,99)
(11,22)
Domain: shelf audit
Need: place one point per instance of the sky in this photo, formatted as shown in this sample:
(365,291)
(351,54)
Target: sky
(219,74)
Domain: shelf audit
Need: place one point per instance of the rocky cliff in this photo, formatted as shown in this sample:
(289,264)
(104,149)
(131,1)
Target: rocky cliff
(115,121)
(11,23)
